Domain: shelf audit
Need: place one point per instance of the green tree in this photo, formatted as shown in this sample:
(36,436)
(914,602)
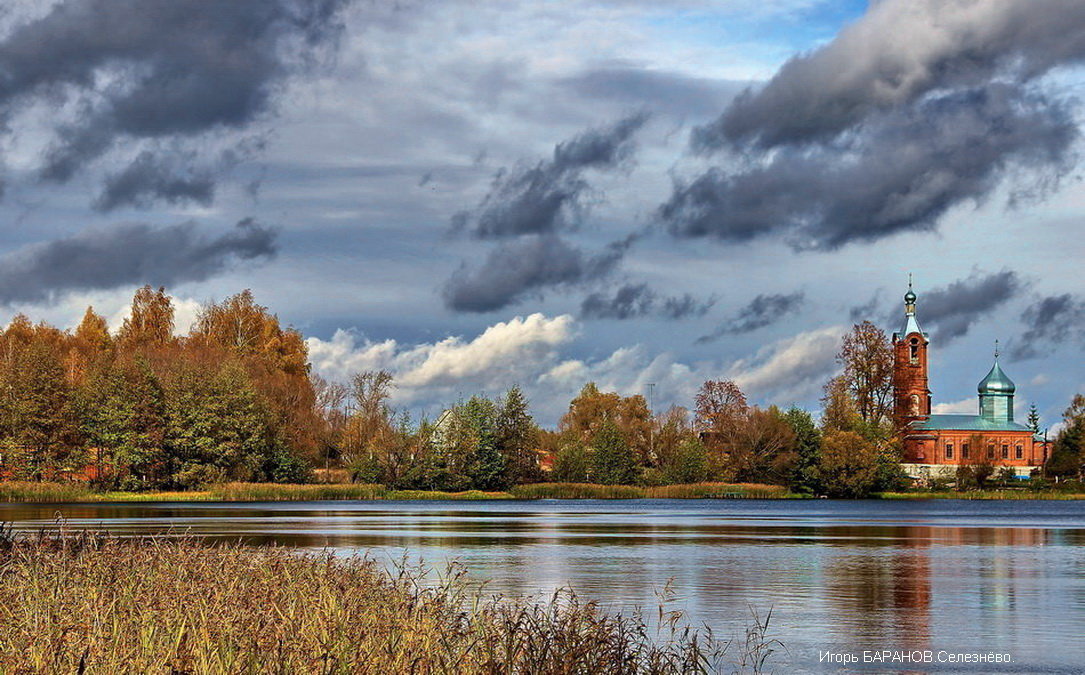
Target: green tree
(573,463)
(517,438)
(219,429)
(488,468)
(37,420)
(1067,458)
(613,461)
(1034,419)
(688,464)
(806,477)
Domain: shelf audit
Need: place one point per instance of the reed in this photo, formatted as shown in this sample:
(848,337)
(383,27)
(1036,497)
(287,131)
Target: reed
(466,495)
(278,492)
(719,491)
(15,491)
(88,604)
(576,491)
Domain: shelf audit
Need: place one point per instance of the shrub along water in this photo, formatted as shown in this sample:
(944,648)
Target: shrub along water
(90,604)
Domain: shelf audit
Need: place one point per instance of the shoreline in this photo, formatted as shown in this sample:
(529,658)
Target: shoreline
(46,493)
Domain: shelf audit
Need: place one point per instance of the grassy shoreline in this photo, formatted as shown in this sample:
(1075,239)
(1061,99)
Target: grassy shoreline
(86,603)
(15,492)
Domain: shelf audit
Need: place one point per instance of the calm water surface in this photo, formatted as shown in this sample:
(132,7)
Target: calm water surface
(839,576)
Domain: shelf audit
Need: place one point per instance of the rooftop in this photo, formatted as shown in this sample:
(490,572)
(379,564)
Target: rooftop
(965,423)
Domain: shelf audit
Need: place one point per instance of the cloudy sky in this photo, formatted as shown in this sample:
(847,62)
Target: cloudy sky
(477,194)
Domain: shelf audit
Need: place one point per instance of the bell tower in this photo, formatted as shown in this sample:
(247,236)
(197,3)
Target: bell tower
(911,393)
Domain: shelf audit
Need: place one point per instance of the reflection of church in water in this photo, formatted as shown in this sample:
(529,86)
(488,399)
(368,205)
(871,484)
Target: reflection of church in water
(940,443)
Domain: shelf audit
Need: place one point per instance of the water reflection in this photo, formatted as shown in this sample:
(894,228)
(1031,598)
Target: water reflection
(846,576)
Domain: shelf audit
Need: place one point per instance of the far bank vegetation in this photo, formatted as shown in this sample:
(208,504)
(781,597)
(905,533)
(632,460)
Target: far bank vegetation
(235,401)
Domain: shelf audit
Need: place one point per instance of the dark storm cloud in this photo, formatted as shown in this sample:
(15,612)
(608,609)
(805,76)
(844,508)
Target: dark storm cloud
(673,94)
(898,52)
(1051,321)
(951,310)
(156,68)
(899,172)
(522,268)
(128,254)
(151,178)
(865,311)
(547,197)
(632,301)
(762,311)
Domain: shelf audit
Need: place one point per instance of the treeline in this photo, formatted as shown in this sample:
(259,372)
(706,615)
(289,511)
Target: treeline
(234,400)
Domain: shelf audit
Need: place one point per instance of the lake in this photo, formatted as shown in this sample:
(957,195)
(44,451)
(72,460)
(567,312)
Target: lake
(940,576)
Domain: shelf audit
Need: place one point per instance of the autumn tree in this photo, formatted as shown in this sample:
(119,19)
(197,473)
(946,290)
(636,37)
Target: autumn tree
(150,323)
(721,408)
(839,412)
(762,449)
(592,408)
(867,358)
(848,464)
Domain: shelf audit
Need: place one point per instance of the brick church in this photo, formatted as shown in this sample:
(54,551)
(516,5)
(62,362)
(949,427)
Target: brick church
(937,444)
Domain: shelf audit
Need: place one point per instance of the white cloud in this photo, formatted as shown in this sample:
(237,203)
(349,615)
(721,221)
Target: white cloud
(504,354)
(790,369)
(966,406)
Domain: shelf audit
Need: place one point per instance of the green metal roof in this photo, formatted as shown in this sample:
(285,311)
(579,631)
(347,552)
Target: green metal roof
(965,423)
(996,382)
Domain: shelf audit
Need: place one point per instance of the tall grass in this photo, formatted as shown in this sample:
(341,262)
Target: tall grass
(276,492)
(15,491)
(718,491)
(576,491)
(686,491)
(89,604)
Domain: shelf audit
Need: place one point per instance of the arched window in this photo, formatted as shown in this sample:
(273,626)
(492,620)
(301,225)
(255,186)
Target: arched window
(913,405)
(914,351)
(949,451)
(1019,451)
(1005,451)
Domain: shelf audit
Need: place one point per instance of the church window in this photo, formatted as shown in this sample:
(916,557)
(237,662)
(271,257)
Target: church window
(914,351)
(1019,452)
(964,450)
(1005,451)
(990,451)
(949,451)
(913,405)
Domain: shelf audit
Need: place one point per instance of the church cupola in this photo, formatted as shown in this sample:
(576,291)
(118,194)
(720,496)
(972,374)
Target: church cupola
(996,394)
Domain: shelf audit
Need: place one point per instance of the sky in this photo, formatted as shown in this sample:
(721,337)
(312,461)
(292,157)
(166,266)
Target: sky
(479,194)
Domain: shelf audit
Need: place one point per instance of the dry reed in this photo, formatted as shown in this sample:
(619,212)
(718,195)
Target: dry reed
(89,604)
